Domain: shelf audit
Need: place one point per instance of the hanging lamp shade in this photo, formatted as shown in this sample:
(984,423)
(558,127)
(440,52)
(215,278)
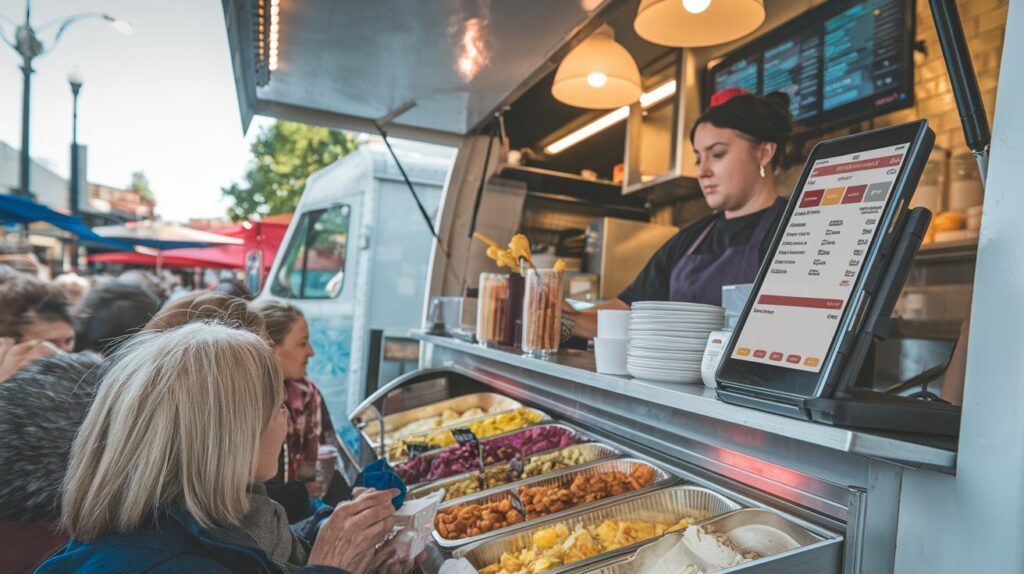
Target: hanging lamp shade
(598,74)
(697,23)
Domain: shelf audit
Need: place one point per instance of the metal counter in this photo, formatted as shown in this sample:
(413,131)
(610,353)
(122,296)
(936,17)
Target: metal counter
(844,480)
(578,367)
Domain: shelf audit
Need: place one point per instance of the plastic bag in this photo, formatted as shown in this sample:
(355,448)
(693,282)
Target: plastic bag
(457,566)
(414,523)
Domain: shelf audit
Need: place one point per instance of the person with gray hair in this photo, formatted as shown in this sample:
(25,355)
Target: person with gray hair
(166,472)
(41,408)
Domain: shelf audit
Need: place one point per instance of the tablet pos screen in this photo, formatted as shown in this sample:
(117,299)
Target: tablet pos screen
(813,272)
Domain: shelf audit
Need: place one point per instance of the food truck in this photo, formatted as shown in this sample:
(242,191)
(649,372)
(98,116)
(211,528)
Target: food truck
(552,466)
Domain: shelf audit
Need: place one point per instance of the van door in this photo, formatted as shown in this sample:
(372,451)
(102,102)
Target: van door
(317,274)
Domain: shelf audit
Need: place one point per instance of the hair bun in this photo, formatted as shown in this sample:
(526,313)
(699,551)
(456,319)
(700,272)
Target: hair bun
(780,99)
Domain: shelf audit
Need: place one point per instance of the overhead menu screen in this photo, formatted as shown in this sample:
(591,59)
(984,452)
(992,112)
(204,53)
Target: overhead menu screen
(842,59)
(811,277)
(794,67)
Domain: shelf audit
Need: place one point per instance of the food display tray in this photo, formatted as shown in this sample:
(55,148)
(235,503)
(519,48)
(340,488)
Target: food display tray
(395,421)
(600,452)
(817,552)
(561,478)
(666,505)
(544,419)
(581,436)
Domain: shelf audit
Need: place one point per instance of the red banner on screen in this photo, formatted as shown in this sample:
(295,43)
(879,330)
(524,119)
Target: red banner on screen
(809,302)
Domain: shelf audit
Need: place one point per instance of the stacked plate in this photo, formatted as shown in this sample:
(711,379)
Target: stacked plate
(667,340)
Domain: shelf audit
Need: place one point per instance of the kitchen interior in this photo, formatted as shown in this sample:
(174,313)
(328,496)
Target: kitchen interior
(602,189)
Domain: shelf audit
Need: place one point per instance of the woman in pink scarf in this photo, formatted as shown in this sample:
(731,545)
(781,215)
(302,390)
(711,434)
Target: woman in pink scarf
(309,423)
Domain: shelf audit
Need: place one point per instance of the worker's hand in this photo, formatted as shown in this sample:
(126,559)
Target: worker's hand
(16,356)
(354,530)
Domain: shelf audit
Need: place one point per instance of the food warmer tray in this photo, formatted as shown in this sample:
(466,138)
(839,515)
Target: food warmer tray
(562,478)
(544,419)
(394,421)
(818,551)
(601,452)
(666,506)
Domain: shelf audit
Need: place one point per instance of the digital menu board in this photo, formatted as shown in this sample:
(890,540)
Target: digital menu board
(841,61)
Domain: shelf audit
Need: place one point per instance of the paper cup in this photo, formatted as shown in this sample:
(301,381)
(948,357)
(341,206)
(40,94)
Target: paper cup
(610,355)
(612,324)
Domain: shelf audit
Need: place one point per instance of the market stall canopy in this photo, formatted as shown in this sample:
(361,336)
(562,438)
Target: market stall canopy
(346,64)
(161,235)
(17,209)
(265,236)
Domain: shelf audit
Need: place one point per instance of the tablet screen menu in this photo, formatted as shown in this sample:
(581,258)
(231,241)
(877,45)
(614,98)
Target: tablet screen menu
(813,272)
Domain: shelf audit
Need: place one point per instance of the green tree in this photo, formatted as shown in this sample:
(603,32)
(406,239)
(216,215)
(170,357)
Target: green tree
(140,185)
(284,155)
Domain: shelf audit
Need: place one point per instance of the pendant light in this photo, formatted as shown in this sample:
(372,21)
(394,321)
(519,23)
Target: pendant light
(697,23)
(598,74)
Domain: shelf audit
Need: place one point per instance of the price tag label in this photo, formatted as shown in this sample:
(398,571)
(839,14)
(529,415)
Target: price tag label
(516,464)
(464,436)
(416,449)
(518,504)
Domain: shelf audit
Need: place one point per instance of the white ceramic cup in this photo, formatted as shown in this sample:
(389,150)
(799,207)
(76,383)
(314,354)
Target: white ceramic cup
(612,324)
(610,355)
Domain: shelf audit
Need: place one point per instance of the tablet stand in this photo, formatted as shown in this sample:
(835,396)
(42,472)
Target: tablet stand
(859,407)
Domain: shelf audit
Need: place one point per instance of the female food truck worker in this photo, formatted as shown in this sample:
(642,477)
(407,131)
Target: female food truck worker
(739,142)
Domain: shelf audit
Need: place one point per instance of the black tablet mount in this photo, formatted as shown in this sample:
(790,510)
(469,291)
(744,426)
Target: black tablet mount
(850,405)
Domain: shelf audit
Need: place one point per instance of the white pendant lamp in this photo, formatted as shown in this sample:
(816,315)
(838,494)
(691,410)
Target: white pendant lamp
(598,74)
(697,23)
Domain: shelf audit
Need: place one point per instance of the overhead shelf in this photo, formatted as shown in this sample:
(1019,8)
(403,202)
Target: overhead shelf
(572,187)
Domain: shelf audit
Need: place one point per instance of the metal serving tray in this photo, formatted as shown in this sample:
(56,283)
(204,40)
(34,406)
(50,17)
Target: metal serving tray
(818,551)
(580,435)
(599,452)
(666,506)
(544,418)
(561,478)
(395,421)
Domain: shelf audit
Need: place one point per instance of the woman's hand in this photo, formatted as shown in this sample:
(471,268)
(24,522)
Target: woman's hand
(349,537)
(16,356)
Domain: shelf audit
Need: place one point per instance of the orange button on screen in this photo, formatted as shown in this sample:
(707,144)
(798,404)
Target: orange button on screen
(743,351)
(812,362)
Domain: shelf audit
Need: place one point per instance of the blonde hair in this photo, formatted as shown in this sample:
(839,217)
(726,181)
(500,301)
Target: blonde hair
(279,318)
(176,423)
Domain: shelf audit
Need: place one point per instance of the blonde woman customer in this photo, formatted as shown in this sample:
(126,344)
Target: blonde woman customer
(166,472)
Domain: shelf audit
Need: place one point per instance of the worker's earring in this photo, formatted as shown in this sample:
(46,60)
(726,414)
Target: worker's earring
(762,170)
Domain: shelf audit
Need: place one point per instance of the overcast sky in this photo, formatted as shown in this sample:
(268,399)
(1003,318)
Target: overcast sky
(161,100)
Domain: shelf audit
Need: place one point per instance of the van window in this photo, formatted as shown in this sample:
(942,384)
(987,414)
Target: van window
(314,264)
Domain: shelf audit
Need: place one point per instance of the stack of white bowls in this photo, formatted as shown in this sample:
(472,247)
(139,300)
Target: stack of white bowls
(667,340)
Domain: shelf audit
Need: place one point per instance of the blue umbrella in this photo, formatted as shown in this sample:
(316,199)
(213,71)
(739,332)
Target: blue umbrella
(17,209)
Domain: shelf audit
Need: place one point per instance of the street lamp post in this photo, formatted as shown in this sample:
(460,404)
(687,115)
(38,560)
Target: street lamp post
(28,46)
(75,81)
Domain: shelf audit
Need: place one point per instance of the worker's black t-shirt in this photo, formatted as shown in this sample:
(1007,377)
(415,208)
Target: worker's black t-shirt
(652,284)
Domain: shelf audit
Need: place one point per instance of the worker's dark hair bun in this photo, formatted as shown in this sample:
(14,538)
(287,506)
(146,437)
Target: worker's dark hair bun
(761,118)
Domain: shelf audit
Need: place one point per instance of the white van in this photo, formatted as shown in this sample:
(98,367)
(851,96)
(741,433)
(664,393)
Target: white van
(355,259)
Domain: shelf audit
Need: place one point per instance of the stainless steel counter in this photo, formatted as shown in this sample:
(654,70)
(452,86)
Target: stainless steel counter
(578,367)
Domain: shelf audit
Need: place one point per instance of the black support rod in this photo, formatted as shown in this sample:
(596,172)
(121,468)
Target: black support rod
(963,80)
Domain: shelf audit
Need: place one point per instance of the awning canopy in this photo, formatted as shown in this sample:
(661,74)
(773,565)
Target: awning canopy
(162,235)
(256,235)
(346,64)
(17,209)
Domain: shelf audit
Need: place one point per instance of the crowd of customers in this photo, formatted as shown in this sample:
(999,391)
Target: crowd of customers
(148,432)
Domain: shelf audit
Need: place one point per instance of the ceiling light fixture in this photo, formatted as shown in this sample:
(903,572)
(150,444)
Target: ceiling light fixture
(697,23)
(597,74)
(696,6)
(647,99)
